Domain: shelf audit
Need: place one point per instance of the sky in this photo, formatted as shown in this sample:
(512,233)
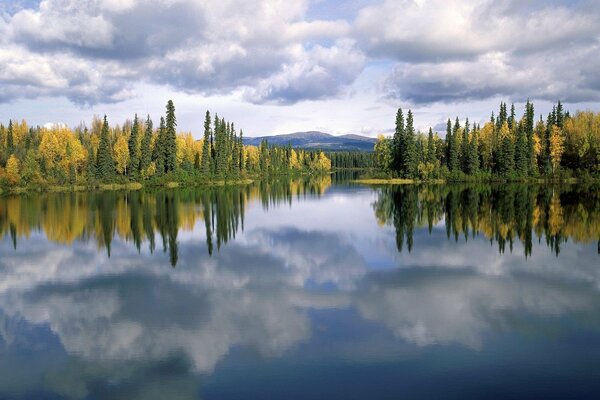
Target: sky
(281,66)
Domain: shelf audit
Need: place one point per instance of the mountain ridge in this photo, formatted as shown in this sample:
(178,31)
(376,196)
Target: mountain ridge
(313,140)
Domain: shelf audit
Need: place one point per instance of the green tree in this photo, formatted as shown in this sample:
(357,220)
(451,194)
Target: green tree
(431,156)
(396,148)
(522,160)
(134,150)
(160,150)
(145,150)
(171,139)
(10,146)
(105,165)
(206,146)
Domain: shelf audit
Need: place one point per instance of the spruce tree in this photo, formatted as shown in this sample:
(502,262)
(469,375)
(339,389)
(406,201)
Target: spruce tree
(430,148)
(453,163)
(464,148)
(160,151)
(522,162)
(206,146)
(529,127)
(409,162)
(448,142)
(10,146)
(105,166)
(171,139)
(397,150)
(134,152)
(146,151)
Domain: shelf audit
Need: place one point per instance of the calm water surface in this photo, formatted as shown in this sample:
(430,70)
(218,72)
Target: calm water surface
(302,290)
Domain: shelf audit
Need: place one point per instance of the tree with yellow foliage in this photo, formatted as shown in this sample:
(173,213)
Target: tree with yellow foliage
(121,152)
(556,147)
(12,170)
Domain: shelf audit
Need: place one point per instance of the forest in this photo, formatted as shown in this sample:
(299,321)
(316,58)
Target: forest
(137,151)
(508,148)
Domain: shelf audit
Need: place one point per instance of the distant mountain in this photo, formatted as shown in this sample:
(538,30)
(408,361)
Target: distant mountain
(314,140)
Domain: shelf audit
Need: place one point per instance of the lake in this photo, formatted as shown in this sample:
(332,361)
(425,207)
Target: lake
(302,290)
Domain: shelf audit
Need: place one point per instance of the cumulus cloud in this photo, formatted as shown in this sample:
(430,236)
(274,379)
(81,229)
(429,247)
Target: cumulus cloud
(461,51)
(193,46)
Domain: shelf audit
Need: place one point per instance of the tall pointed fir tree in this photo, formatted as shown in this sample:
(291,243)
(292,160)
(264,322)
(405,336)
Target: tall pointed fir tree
(431,156)
(134,151)
(409,159)
(397,150)
(522,163)
(206,146)
(464,148)
(105,166)
(145,150)
(529,127)
(241,151)
(453,152)
(448,143)
(160,151)
(171,139)
(10,145)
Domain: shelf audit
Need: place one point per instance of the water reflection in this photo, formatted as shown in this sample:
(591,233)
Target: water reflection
(136,216)
(293,291)
(502,213)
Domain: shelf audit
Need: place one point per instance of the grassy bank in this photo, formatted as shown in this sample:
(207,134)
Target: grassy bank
(117,186)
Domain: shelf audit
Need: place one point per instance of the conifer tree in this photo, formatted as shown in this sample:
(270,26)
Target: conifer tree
(448,142)
(453,163)
(409,162)
(431,156)
(160,151)
(522,162)
(145,150)
(10,146)
(206,146)
(134,151)
(464,147)
(397,150)
(529,127)
(105,166)
(171,139)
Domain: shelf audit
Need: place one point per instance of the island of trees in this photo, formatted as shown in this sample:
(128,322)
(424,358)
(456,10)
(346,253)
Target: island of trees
(506,147)
(140,152)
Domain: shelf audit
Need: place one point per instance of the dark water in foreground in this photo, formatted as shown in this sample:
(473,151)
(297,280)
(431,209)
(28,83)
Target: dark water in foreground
(302,291)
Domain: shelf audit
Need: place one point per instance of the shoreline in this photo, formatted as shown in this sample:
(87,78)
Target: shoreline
(19,190)
(404,181)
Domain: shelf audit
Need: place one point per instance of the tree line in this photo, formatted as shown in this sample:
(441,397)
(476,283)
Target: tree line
(502,213)
(138,151)
(506,147)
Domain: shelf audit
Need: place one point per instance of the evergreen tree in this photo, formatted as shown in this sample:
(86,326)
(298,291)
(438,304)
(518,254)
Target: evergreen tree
(431,156)
(464,148)
(105,166)
(453,163)
(409,161)
(448,142)
(10,146)
(171,139)
(134,151)
(206,146)
(522,162)
(397,150)
(529,127)
(160,151)
(146,151)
